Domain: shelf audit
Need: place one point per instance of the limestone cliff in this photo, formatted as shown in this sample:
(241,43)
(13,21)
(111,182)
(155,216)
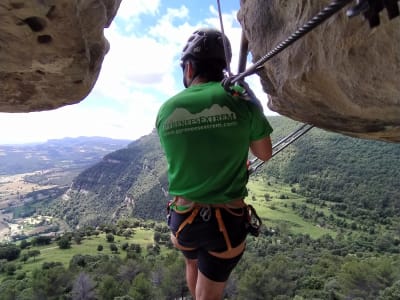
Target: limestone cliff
(51,51)
(343,76)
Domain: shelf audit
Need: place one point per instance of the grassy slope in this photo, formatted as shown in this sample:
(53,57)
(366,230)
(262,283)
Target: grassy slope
(274,212)
(88,246)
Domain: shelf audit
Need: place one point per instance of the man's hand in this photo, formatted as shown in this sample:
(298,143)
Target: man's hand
(247,94)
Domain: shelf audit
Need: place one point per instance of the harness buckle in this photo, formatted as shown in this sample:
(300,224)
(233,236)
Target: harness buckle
(205,213)
(254,222)
(169,204)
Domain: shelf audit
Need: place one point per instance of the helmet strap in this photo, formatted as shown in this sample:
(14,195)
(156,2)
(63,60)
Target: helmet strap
(192,76)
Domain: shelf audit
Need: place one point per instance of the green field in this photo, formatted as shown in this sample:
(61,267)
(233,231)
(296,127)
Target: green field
(277,212)
(88,246)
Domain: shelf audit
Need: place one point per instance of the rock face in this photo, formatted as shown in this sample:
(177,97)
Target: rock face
(343,76)
(51,51)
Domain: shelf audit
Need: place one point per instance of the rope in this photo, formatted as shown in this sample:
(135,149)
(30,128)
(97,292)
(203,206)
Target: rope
(224,42)
(318,19)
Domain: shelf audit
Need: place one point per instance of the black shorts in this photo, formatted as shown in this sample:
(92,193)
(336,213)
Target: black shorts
(204,236)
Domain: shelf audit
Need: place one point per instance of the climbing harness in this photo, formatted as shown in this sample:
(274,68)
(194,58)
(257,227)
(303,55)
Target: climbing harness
(205,212)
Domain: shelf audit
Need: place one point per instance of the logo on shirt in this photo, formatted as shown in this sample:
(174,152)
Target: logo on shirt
(181,120)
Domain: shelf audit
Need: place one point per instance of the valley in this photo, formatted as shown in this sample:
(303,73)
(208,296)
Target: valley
(33,175)
(18,196)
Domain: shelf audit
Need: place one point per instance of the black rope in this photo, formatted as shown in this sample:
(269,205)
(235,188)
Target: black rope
(318,19)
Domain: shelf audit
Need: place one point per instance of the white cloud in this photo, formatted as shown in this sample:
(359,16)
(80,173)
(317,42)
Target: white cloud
(138,74)
(133,8)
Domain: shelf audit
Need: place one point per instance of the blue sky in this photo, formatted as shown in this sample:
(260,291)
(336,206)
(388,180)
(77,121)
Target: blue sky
(138,74)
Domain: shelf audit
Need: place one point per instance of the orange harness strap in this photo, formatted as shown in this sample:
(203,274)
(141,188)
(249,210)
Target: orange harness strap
(188,220)
(230,252)
(175,242)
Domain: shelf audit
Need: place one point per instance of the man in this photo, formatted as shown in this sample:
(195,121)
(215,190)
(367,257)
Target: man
(206,134)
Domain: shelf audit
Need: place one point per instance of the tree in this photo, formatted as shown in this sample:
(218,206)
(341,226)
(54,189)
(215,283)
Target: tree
(157,237)
(51,283)
(142,288)
(109,288)
(83,288)
(9,251)
(10,269)
(41,240)
(359,278)
(391,293)
(129,271)
(172,286)
(77,238)
(33,253)
(100,248)
(113,248)
(127,233)
(25,257)
(64,243)
(110,237)
(24,244)
(153,249)
(124,246)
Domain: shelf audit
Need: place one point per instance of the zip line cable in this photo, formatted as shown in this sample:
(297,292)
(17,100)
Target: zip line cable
(279,146)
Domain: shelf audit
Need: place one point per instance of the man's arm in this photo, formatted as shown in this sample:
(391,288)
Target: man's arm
(262,148)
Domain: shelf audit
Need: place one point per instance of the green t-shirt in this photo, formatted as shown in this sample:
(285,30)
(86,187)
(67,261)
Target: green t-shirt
(206,133)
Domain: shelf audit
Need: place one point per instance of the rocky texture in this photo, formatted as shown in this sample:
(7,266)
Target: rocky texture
(343,76)
(51,51)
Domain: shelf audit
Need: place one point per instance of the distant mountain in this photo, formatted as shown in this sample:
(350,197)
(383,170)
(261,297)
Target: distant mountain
(357,176)
(79,152)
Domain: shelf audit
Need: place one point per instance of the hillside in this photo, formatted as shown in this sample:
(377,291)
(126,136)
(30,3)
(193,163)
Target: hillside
(357,178)
(127,181)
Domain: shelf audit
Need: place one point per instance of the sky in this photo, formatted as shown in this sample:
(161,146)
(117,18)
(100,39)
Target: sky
(139,73)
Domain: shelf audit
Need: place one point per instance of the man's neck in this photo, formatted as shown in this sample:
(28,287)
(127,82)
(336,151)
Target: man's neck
(198,80)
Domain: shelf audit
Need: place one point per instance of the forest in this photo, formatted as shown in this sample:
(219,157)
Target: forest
(331,228)
(110,262)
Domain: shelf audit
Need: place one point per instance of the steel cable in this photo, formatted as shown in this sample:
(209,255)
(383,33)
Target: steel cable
(318,19)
